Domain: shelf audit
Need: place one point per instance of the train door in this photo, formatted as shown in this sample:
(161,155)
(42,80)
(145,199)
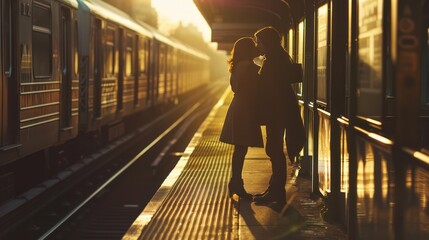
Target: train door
(2,115)
(167,72)
(154,72)
(120,65)
(97,68)
(65,66)
(425,79)
(8,88)
(136,67)
(161,72)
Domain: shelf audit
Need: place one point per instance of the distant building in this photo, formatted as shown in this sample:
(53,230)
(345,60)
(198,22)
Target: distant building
(138,9)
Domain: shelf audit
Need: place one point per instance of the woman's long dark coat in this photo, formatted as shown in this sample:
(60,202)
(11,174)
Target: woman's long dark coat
(241,126)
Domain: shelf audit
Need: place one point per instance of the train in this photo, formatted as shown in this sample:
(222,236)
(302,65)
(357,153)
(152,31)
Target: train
(76,67)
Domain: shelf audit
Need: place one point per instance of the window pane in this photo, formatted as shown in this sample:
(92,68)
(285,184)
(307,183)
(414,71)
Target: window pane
(7,43)
(426,84)
(42,45)
(41,16)
(109,66)
(75,49)
(142,55)
(322,20)
(369,89)
(300,56)
(300,42)
(129,56)
(109,60)
(290,43)
(128,63)
(41,54)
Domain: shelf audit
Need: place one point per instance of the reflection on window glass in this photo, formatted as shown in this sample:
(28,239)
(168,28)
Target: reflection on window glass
(41,16)
(129,56)
(300,42)
(110,52)
(300,56)
(109,59)
(75,50)
(7,43)
(42,45)
(161,61)
(290,43)
(142,54)
(161,80)
(129,65)
(426,98)
(369,89)
(322,51)
(41,57)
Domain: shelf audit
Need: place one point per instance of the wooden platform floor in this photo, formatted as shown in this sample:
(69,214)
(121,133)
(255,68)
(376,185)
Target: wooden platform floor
(193,201)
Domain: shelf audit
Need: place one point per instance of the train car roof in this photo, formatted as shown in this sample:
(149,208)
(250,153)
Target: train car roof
(174,42)
(113,14)
(72,3)
(158,35)
(191,50)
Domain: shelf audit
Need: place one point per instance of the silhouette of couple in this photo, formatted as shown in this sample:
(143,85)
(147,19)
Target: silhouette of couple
(262,96)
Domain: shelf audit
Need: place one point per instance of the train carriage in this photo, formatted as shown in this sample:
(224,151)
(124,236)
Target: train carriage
(9,127)
(75,72)
(172,71)
(114,52)
(40,80)
(164,49)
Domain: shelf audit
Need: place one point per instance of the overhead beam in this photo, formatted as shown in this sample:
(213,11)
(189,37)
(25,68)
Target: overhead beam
(225,47)
(230,32)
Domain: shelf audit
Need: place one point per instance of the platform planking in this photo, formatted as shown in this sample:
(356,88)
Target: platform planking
(193,201)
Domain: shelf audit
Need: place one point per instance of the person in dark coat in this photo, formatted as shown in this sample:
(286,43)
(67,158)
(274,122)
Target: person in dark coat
(281,112)
(241,127)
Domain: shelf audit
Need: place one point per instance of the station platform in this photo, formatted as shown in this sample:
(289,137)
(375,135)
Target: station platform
(193,201)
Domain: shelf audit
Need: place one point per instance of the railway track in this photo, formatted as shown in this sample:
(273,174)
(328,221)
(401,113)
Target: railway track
(113,192)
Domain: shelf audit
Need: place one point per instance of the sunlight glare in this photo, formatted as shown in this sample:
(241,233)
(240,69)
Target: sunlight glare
(171,12)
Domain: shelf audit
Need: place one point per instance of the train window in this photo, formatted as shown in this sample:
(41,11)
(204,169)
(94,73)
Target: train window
(142,54)
(426,85)
(322,51)
(129,49)
(76,49)
(148,45)
(370,45)
(162,59)
(7,43)
(42,45)
(162,62)
(300,53)
(109,66)
(290,43)
(42,15)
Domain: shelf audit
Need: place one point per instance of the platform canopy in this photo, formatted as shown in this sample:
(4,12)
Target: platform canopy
(232,19)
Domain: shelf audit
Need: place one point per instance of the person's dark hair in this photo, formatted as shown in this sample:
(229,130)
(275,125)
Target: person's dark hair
(242,50)
(269,37)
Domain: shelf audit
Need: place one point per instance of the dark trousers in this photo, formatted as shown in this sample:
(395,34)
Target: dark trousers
(274,150)
(238,161)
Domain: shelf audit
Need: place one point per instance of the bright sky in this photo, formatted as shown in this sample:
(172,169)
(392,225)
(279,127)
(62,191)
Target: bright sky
(171,12)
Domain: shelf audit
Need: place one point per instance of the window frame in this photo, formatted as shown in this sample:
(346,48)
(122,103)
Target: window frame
(42,30)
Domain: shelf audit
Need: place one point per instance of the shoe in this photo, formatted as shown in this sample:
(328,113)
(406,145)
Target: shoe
(271,197)
(237,187)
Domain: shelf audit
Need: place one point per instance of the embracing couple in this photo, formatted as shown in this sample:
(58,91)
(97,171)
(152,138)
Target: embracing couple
(262,96)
